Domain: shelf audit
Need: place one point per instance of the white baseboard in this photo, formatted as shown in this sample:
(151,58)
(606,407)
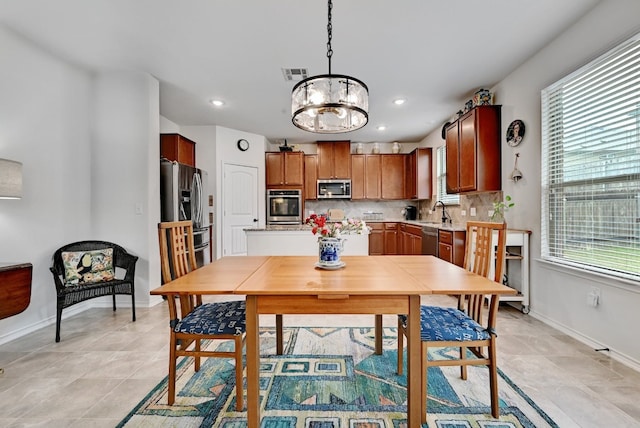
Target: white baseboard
(622,358)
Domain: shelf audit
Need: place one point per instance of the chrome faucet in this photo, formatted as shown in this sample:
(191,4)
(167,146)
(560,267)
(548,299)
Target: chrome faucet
(445,215)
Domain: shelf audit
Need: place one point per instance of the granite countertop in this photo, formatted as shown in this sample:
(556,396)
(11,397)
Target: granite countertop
(437,225)
(304,227)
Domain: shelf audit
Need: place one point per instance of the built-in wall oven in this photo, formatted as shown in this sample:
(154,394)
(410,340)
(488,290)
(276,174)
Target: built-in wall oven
(284,206)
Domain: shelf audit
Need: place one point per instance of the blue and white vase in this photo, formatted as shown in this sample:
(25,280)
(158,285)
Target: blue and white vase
(329,250)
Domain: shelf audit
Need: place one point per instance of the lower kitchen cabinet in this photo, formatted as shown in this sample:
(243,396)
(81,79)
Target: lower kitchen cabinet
(391,238)
(383,239)
(376,239)
(411,238)
(451,246)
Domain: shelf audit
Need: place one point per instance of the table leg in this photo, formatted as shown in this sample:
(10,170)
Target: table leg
(279,338)
(414,365)
(379,333)
(253,363)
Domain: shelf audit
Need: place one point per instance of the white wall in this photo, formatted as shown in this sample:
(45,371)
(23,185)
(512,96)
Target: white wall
(125,172)
(558,294)
(86,144)
(45,116)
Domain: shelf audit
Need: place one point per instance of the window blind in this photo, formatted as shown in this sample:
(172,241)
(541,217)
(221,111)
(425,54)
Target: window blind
(441,169)
(591,165)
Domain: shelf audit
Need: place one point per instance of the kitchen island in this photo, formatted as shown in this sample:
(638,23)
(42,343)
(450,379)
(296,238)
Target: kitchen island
(297,240)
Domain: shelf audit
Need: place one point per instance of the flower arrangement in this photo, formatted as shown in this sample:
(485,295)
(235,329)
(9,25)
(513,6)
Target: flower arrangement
(320,225)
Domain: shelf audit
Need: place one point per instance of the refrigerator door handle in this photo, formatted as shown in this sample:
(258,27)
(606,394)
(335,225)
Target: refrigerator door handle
(196,200)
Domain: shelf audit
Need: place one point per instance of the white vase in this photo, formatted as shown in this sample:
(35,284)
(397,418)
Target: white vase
(329,250)
(396,147)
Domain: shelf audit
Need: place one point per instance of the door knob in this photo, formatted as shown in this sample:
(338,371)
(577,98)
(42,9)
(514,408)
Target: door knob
(255,220)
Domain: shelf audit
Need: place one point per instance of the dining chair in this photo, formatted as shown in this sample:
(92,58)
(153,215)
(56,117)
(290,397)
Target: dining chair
(465,327)
(213,321)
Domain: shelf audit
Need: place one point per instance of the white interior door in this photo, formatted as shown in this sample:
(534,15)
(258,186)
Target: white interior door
(240,208)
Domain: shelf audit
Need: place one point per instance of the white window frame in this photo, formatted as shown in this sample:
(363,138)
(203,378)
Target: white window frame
(441,179)
(591,166)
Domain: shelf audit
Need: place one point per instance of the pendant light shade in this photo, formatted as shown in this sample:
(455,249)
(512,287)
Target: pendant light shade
(330,103)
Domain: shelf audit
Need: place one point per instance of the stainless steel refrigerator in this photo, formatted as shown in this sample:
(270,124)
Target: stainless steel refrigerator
(183,196)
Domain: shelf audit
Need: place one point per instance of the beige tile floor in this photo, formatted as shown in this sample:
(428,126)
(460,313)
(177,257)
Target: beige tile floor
(105,364)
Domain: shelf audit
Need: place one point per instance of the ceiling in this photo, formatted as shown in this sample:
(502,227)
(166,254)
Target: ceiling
(435,54)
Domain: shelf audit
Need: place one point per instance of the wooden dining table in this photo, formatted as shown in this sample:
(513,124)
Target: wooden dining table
(376,285)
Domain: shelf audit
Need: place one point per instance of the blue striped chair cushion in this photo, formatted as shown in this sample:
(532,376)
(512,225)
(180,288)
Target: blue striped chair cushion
(439,324)
(214,318)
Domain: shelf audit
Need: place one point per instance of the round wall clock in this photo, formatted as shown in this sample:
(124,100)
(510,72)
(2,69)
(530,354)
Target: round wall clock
(243,145)
(515,133)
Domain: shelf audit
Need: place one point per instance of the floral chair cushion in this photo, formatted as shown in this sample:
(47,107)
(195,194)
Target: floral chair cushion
(440,324)
(85,267)
(215,318)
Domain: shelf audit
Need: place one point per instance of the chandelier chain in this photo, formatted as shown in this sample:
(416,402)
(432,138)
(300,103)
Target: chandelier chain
(329,34)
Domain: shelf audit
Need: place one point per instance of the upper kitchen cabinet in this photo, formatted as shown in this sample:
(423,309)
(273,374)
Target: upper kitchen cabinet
(310,177)
(392,176)
(473,151)
(419,174)
(334,159)
(284,169)
(365,177)
(177,148)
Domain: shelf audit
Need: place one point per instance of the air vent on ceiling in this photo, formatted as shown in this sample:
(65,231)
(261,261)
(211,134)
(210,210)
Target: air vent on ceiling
(295,74)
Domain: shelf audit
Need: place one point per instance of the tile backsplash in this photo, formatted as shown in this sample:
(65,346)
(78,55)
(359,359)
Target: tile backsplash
(392,210)
(481,202)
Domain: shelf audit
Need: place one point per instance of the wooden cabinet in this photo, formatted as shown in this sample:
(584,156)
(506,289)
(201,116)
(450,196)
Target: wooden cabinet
(451,246)
(177,148)
(334,159)
(284,169)
(15,288)
(391,238)
(383,239)
(365,177)
(419,174)
(392,176)
(310,177)
(473,151)
(376,239)
(411,239)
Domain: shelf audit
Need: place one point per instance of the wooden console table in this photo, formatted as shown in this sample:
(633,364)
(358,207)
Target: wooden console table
(15,288)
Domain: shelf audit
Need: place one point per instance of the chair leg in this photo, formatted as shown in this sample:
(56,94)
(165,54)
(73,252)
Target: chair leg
(197,358)
(400,346)
(425,381)
(113,296)
(58,320)
(239,377)
(279,336)
(493,379)
(171,393)
(133,305)
(463,366)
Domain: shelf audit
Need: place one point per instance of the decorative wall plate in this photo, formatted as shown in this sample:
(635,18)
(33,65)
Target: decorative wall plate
(515,133)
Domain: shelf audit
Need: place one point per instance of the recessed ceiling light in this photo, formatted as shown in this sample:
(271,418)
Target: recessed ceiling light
(217,103)
(399,101)
(381,128)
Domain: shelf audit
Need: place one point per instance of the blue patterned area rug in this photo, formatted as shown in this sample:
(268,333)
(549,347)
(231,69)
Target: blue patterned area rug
(331,378)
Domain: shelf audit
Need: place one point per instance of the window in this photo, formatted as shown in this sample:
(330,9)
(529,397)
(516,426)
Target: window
(441,168)
(591,165)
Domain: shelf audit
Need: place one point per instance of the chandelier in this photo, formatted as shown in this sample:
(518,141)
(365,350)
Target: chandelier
(330,103)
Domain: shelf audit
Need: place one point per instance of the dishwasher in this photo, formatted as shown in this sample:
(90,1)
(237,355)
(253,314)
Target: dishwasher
(430,240)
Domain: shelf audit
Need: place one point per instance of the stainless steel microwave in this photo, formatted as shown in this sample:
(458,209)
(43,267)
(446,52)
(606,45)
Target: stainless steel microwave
(334,189)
